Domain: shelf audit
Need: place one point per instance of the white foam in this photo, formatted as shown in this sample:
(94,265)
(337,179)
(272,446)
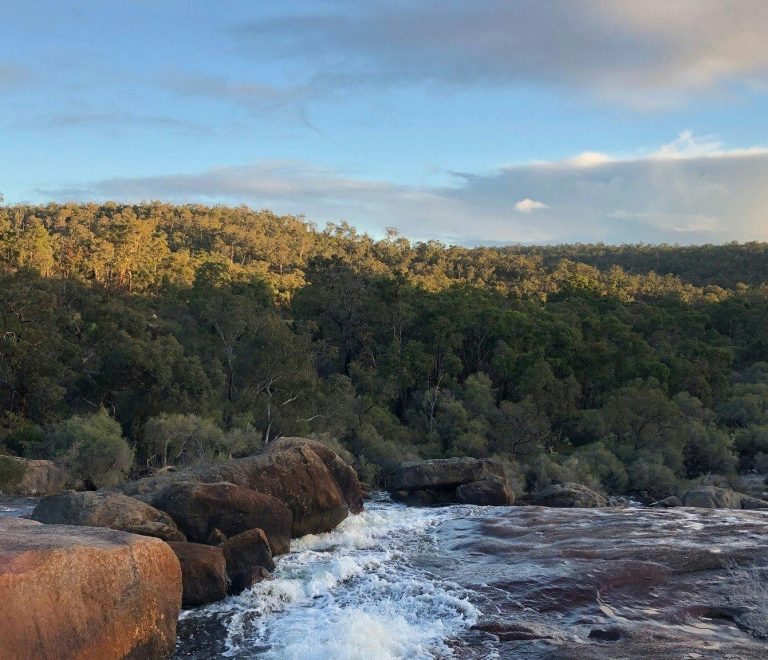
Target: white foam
(351,593)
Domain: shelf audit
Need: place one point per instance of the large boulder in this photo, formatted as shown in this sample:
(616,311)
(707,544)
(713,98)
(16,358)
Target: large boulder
(342,472)
(449,480)
(201,508)
(82,592)
(293,473)
(296,476)
(568,495)
(249,559)
(712,497)
(445,473)
(203,571)
(37,477)
(103,509)
(488,492)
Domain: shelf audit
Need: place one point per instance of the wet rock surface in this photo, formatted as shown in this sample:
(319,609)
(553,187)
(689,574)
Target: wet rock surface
(609,583)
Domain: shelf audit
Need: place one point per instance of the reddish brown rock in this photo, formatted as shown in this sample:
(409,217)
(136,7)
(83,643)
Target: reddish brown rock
(203,572)
(103,509)
(82,592)
(205,511)
(249,559)
(296,476)
(342,472)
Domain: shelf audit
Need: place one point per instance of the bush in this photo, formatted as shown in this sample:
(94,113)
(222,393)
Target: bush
(29,441)
(12,471)
(98,454)
(654,478)
(603,464)
(173,440)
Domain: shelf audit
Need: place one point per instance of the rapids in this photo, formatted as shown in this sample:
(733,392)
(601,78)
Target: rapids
(482,582)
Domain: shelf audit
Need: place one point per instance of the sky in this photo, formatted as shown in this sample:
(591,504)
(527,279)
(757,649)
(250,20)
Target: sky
(471,122)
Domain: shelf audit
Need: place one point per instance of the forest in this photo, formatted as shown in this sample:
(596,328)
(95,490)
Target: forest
(137,338)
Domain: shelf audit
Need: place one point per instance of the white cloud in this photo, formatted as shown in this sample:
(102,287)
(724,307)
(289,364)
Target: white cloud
(694,191)
(528,205)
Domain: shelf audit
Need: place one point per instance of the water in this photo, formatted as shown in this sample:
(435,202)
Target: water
(512,582)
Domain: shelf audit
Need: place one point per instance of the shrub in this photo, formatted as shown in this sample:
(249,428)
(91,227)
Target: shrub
(12,471)
(171,440)
(654,478)
(98,454)
(29,441)
(605,466)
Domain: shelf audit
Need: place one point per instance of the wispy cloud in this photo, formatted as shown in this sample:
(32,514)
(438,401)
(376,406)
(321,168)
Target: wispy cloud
(679,193)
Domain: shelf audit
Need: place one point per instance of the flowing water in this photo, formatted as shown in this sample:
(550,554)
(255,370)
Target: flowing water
(486,582)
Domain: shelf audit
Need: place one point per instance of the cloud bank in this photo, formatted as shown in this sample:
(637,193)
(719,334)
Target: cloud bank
(688,191)
(645,54)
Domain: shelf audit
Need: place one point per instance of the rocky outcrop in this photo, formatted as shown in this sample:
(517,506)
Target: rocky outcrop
(712,497)
(451,480)
(203,572)
(102,509)
(39,478)
(82,592)
(200,509)
(568,495)
(249,559)
(444,473)
(488,492)
(319,497)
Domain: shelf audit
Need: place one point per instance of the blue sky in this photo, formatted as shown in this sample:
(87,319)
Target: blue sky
(481,121)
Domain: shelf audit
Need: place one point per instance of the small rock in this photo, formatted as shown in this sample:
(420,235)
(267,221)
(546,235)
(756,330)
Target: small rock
(248,558)
(568,495)
(203,573)
(488,492)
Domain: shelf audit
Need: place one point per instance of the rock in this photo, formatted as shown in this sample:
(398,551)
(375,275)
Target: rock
(342,472)
(488,492)
(668,502)
(295,474)
(212,512)
(11,523)
(712,497)
(568,495)
(245,554)
(508,631)
(82,592)
(203,573)
(444,473)
(103,509)
(416,497)
(39,478)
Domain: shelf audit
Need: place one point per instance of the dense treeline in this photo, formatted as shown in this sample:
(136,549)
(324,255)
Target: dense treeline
(133,338)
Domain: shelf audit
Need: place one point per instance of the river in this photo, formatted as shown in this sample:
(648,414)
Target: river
(486,582)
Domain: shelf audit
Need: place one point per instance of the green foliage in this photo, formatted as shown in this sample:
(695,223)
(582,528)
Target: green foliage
(97,452)
(12,471)
(182,440)
(207,331)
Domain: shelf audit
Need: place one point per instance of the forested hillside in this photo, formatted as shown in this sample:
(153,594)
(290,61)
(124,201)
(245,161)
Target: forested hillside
(133,338)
